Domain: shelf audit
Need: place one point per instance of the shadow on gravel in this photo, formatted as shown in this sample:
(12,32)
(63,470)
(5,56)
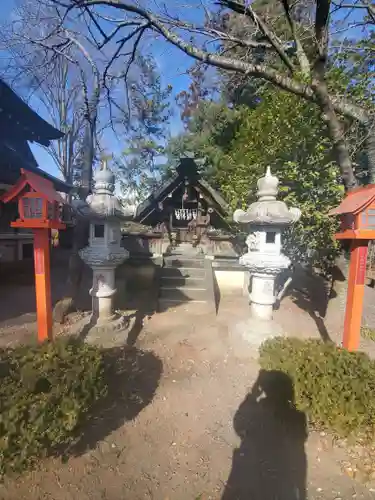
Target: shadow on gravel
(132,377)
(271,462)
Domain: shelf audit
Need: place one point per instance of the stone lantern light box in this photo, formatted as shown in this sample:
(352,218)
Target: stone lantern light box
(104,233)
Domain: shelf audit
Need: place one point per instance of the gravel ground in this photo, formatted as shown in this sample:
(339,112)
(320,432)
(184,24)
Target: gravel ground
(184,421)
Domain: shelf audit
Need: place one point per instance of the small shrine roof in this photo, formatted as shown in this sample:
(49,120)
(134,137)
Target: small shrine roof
(355,201)
(186,168)
(38,184)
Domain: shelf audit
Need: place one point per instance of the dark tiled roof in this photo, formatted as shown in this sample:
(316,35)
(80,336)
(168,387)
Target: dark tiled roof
(18,125)
(156,196)
(17,155)
(17,119)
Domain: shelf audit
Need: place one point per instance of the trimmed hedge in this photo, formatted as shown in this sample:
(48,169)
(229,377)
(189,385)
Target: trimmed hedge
(335,388)
(44,393)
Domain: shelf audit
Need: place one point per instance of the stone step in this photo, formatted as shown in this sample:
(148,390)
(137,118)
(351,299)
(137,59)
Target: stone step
(165,304)
(182,272)
(181,281)
(184,262)
(186,250)
(183,294)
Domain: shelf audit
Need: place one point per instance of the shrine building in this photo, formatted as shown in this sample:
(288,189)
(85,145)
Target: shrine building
(181,234)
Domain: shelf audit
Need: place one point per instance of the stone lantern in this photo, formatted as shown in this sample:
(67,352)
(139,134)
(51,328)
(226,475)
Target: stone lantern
(104,252)
(265,219)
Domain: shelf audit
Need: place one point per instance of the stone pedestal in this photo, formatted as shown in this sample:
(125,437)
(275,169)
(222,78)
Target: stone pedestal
(107,334)
(102,293)
(103,263)
(263,269)
(255,331)
(262,296)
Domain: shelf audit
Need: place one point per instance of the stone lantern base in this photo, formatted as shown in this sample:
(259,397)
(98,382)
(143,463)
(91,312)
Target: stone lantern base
(110,334)
(103,292)
(103,262)
(262,296)
(255,331)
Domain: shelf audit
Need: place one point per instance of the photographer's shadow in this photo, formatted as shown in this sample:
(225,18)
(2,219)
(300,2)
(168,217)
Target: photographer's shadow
(270,463)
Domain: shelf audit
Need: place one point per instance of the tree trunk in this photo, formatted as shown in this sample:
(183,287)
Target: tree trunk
(81,231)
(336,133)
(75,271)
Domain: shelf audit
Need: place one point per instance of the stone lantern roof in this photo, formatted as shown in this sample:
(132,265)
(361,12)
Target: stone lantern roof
(267,210)
(103,204)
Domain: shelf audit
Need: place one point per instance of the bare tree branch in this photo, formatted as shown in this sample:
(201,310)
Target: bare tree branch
(301,55)
(263,71)
(280,69)
(366,5)
(270,36)
(321,28)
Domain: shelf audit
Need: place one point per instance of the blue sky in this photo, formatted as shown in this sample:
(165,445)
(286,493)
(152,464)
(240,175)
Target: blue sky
(172,66)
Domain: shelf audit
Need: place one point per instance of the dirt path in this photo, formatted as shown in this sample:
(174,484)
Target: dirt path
(181,423)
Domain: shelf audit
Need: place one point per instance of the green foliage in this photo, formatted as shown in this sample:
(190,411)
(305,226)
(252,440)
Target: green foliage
(138,167)
(44,393)
(335,388)
(286,133)
(210,132)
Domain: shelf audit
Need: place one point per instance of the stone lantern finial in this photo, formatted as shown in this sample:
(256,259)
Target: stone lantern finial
(268,186)
(268,210)
(104,180)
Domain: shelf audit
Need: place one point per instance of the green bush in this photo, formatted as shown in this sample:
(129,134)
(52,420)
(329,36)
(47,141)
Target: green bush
(44,393)
(335,388)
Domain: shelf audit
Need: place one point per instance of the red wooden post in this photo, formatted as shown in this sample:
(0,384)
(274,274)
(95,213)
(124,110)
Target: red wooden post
(43,283)
(356,290)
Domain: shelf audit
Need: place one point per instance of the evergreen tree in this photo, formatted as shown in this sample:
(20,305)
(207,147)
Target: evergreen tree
(140,164)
